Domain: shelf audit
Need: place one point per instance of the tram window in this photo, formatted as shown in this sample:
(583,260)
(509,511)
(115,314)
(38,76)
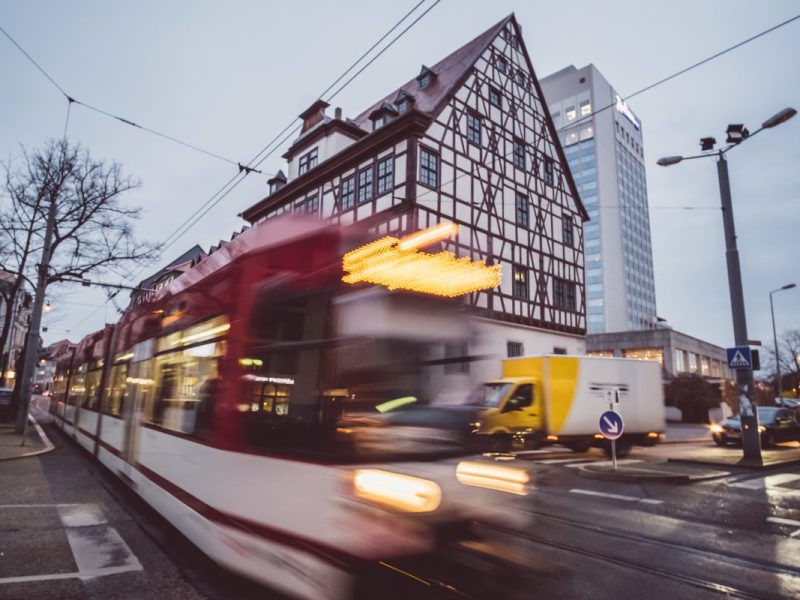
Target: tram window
(117,390)
(284,372)
(92,384)
(77,387)
(186,384)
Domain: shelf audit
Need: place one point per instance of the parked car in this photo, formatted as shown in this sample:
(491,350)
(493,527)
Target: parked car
(787,403)
(5,402)
(775,424)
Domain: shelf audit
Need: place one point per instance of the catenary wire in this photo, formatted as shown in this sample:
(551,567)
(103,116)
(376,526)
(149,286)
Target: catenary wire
(123,120)
(237,179)
(211,203)
(683,71)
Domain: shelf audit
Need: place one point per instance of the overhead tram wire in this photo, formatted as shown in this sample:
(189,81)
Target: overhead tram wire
(71,100)
(212,202)
(648,88)
(237,179)
(682,71)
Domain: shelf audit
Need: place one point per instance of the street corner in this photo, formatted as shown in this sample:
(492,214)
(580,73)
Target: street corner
(781,456)
(650,472)
(33,443)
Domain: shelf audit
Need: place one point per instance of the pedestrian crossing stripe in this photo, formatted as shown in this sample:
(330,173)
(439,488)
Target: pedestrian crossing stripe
(739,360)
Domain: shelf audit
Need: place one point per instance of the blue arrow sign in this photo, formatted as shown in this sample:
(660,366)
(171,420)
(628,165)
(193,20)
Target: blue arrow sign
(611,425)
(739,357)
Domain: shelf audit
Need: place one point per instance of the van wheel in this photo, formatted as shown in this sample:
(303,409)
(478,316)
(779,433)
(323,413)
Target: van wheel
(578,447)
(499,443)
(623,449)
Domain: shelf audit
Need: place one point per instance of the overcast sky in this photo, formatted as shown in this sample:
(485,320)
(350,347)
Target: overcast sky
(228,76)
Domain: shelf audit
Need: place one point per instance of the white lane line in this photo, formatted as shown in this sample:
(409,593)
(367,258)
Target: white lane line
(789,522)
(2,506)
(81,515)
(97,549)
(53,576)
(770,481)
(623,461)
(615,496)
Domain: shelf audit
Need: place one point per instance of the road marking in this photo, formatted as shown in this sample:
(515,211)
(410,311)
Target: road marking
(615,496)
(789,522)
(624,461)
(770,481)
(97,548)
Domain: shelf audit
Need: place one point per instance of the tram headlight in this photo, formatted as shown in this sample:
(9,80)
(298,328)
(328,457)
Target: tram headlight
(502,478)
(393,490)
(715,428)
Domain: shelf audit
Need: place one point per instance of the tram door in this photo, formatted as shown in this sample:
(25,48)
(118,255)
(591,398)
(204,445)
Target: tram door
(140,387)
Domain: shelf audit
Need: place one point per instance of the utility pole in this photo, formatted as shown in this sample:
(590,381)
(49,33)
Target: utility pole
(751,440)
(32,341)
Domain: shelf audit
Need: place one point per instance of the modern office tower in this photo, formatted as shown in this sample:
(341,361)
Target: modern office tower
(602,140)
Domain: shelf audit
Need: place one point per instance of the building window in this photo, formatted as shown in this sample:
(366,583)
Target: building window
(586,108)
(570,114)
(424,81)
(560,350)
(520,77)
(567,232)
(378,122)
(311,204)
(385,175)
(347,193)
(520,282)
(428,168)
(645,354)
(692,362)
(308,160)
(474,128)
(522,210)
(365,189)
(549,179)
(456,356)
(502,65)
(514,349)
(601,353)
(402,105)
(519,154)
(495,97)
(564,294)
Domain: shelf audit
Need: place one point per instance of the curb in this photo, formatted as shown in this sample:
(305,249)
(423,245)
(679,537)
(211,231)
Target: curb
(688,441)
(776,465)
(630,474)
(49,447)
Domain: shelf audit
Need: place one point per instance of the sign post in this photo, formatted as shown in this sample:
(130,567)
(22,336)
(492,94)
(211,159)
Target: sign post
(611,425)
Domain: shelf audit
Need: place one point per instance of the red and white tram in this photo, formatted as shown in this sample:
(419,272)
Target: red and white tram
(254,404)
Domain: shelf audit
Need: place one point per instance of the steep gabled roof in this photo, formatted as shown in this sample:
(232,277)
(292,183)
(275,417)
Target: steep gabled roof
(450,73)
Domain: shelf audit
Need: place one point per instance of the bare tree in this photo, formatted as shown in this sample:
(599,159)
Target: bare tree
(789,349)
(93,231)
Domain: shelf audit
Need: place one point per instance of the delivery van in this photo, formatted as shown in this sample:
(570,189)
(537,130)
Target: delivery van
(558,399)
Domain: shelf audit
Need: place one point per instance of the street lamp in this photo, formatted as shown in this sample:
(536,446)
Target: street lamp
(788,286)
(737,133)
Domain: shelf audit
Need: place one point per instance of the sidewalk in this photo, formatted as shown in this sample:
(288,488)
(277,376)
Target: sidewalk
(642,472)
(36,441)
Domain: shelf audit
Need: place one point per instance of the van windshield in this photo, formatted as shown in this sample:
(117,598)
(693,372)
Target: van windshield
(488,394)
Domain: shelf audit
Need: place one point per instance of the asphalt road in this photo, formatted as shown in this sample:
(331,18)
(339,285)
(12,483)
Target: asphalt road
(736,536)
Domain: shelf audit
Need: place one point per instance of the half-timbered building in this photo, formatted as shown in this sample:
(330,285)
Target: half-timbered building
(468,140)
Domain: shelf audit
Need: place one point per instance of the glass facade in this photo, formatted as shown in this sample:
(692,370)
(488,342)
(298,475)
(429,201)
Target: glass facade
(637,251)
(582,160)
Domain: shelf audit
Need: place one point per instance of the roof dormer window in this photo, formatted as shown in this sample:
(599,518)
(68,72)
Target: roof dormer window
(382,115)
(403,102)
(378,122)
(425,77)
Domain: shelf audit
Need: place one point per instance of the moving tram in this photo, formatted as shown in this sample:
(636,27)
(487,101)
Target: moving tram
(273,410)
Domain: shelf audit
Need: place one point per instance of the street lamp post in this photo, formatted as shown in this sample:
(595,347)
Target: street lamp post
(737,133)
(788,286)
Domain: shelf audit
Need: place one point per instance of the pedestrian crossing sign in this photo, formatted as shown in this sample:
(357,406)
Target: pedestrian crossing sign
(740,357)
